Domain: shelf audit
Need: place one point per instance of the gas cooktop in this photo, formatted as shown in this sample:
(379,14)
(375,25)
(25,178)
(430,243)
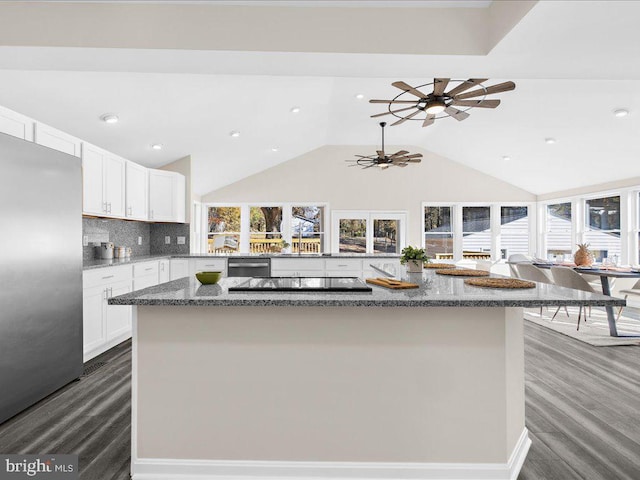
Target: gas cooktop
(302,284)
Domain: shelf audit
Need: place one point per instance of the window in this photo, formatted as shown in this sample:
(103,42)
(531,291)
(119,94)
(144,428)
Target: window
(368,232)
(307,229)
(602,227)
(438,232)
(514,231)
(476,232)
(558,230)
(223,233)
(265,227)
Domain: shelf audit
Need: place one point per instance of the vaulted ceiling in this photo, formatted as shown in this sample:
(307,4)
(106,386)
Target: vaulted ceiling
(573,62)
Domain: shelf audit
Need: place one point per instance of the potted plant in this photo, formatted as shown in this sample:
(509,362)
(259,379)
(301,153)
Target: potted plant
(285,247)
(414,258)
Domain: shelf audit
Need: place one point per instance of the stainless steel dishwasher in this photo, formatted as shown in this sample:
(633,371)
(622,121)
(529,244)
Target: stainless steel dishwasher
(249,267)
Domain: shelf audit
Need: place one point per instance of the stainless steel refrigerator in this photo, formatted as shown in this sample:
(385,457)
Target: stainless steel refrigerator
(40,272)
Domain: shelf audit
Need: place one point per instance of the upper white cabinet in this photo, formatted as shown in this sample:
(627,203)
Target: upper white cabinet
(166,196)
(53,138)
(137,191)
(12,123)
(103,182)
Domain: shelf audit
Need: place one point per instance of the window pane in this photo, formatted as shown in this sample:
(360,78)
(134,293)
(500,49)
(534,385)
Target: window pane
(603,227)
(476,232)
(439,245)
(514,231)
(558,230)
(353,236)
(307,229)
(223,229)
(437,219)
(265,224)
(385,235)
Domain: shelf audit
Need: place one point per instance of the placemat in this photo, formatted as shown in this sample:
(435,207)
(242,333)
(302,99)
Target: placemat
(463,272)
(439,265)
(499,283)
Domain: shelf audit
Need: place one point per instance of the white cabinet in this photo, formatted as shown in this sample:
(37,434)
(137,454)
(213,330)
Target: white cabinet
(57,140)
(145,274)
(166,196)
(104,326)
(179,268)
(209,265)
(137,191)
(297,267)
(103,182)
(12,123)
(164,270)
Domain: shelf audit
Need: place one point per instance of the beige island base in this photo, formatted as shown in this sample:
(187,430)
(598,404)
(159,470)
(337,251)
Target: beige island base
(297,392)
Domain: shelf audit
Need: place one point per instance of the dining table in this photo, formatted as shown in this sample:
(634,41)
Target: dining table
(605,273)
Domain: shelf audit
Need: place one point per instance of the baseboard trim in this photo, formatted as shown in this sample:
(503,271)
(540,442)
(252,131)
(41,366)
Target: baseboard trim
(180,469)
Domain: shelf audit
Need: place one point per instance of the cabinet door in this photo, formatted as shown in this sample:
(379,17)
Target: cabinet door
(52,138)
(93,305)
(163,271)
(180,198)
(12,123)
(137,191)
(92,181)
(114,179)
(118,317)
(179,268)
(161,196)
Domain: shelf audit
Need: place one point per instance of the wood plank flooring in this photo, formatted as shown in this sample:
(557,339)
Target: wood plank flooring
(582,411)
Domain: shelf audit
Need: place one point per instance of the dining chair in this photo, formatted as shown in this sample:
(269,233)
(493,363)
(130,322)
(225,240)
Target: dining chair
(569,278)
(514,259)
(528,271)
(635,290)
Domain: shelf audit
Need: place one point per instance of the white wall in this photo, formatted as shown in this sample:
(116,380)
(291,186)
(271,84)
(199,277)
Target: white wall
(322,175)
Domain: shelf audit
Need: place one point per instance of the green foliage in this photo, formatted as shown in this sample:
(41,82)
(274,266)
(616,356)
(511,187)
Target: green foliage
(411,253)
(224,219)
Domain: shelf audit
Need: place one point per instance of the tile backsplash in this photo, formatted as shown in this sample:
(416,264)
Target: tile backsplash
(125,233)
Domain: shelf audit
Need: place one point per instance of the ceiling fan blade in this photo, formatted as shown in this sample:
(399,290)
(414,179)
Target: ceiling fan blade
(439,84)
(393,101)
(472,82)
(476,103)
(399,153)
(369,166)
(429,120)
(457,114)
(408,117)
(392,111)
(401,165)
(414,155)
(414,160)
(500,87)
(408,88)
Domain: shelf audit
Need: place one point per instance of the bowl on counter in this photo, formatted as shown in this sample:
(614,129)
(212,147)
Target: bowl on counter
(208,278)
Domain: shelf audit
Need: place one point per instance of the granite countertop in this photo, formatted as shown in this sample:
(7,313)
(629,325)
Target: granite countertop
(91,264)
(435,291)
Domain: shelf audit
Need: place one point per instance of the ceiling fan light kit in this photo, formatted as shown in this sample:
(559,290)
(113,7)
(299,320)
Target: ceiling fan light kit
(401,158)
(428,107)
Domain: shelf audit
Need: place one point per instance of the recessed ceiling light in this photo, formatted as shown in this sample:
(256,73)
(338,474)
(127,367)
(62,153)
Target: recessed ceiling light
(234,133)
(109,118)
(506,158)
(621,112)
(295,109)
(157,146)
(550,140)
(275,149)
(359,96)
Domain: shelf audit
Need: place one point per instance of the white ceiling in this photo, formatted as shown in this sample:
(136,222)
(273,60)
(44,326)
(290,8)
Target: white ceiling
(573,63)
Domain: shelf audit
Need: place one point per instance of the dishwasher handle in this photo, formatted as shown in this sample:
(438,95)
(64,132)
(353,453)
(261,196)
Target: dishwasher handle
(250,265)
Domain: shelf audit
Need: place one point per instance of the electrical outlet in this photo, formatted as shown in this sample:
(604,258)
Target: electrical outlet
(85,240)
(181,240)
(167,240)
(139,240)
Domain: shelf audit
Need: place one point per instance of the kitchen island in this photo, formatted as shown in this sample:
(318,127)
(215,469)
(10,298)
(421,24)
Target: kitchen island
(417,384)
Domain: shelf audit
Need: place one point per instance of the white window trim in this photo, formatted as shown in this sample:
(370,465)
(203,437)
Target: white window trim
(369,216)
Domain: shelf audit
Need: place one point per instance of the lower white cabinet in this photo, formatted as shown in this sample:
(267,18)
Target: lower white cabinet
(179,268)
(104,326)
(145,274)
(209,265)
(164,270)
(297,267)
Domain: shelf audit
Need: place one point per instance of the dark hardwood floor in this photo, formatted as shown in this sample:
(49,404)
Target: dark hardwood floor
(582,411)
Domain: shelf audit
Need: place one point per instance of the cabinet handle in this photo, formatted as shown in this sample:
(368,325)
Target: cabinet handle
(108,276)
(148,269)
(342,265)
(162,267)
(105,293)
(104,207)
(151,214)
(130,210)
(109,207)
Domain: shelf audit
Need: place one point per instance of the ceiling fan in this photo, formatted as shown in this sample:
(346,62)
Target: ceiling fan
(440,102)
(401,158)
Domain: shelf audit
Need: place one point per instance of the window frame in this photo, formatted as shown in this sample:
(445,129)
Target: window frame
(369,215)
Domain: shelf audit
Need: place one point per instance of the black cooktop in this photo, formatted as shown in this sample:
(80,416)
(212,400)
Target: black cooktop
(302,284)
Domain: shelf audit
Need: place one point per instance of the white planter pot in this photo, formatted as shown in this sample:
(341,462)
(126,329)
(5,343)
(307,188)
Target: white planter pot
(414,266)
